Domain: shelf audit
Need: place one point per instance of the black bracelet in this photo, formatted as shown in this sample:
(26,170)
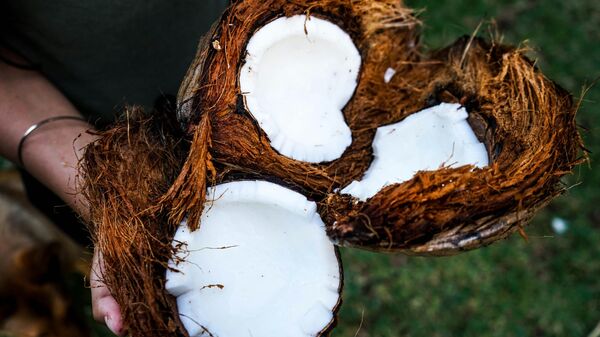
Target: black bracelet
(36,126)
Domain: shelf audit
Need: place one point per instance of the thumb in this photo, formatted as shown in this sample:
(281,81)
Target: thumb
(104,307)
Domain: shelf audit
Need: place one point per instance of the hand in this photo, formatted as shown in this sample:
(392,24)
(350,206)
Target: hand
(104,307)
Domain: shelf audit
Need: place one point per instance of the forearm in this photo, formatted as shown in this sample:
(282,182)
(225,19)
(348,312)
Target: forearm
(51,152)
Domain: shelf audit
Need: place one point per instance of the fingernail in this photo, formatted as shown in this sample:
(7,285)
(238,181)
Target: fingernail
(109,323)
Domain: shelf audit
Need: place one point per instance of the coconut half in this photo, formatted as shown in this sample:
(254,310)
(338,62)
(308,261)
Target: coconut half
(298,75)
(436,137)
(260,265)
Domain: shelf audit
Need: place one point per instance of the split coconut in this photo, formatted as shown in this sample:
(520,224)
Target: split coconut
(317,104)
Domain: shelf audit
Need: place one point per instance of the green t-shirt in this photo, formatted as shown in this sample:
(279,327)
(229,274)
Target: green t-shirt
(104,54)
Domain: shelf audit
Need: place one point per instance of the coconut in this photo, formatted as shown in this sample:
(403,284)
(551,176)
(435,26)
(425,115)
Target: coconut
(385,34)
(510,105)
(260,264)
(504,137)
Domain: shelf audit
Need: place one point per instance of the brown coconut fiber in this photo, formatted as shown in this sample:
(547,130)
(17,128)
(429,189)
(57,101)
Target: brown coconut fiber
(143,177)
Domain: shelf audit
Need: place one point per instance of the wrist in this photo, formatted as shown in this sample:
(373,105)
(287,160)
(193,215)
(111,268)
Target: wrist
(36,127)
(52,153)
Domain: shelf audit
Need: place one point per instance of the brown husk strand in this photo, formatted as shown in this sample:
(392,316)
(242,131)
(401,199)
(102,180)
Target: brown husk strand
(142,178)
(127,174)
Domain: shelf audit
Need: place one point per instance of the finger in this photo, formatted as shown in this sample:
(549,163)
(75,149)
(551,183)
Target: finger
(104,307)
(99,289)
(111,316)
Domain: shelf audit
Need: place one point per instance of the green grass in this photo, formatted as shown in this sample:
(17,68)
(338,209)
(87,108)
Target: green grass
(547,287)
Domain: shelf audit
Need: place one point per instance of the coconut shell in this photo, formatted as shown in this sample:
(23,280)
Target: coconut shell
(143,178)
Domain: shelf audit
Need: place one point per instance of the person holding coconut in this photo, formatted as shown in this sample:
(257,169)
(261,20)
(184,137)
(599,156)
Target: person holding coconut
(65,68)
(330,99)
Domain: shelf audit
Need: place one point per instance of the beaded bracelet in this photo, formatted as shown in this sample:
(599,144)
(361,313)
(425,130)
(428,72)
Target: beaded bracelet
(36,126)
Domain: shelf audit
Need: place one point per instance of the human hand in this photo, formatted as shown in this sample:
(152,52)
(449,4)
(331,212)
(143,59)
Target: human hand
(104,307)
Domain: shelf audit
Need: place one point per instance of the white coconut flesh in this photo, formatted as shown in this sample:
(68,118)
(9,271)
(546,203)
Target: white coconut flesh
(424,141)
(298,75)
(260,265)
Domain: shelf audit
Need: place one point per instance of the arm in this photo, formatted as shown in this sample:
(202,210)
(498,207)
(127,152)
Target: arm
(50,154)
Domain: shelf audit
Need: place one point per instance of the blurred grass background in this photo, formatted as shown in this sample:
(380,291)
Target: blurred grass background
(549,286)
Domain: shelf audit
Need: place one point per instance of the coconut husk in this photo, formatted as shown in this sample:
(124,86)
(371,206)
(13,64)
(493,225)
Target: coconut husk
(143,178)
(127,173)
